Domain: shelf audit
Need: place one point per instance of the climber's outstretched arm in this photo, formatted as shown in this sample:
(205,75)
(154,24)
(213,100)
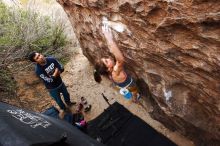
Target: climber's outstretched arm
(112,45)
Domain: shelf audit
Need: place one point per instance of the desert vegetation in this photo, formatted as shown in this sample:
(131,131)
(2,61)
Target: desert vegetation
(22,31)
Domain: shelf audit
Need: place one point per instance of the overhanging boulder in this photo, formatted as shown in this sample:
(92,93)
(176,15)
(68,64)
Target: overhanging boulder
(172,45)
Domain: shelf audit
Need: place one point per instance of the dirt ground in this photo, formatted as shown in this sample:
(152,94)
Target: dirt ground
(78,77)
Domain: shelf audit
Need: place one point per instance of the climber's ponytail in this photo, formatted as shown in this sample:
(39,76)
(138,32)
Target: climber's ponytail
(97,76)
(100,69)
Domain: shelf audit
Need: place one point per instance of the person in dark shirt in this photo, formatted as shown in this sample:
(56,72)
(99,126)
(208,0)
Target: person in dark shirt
(49,70)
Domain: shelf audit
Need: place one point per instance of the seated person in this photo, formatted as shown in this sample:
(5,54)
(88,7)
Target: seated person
(76,119)
(114,69)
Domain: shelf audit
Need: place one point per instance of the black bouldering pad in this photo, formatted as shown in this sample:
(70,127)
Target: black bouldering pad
(116,126)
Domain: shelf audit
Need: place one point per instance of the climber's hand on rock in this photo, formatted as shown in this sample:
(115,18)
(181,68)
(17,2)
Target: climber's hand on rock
(106,30)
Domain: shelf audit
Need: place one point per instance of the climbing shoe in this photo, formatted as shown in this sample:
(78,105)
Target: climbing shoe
(83,100)
(88,108)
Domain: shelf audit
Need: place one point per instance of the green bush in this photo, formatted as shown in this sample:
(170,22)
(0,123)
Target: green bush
(28,31)
(7,84)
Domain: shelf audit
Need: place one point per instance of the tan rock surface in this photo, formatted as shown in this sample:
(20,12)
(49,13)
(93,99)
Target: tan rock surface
(173,45)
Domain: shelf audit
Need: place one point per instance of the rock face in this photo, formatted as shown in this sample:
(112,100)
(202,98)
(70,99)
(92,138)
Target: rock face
(172,45)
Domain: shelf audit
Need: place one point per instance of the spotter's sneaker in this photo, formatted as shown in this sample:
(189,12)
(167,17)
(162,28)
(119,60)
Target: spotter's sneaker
(71,103)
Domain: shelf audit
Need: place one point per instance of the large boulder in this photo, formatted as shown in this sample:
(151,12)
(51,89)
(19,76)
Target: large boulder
(172,45)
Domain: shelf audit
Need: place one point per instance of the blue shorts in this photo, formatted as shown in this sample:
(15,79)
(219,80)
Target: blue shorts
(129,82)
